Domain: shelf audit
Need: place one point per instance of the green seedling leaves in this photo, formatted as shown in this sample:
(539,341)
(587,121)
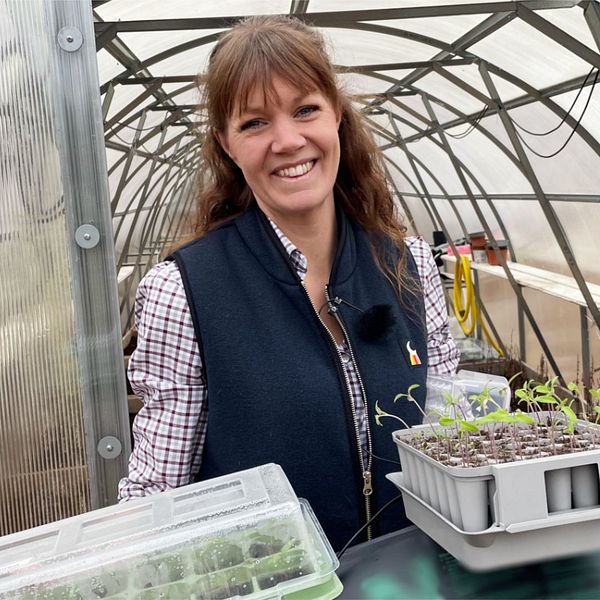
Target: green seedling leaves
(503,416)
(408,394)
(450,400)
(521,417)
(498,416)
(547,412)
(522,394)
(468,426)
(546,400)
(380,413)
(571,416)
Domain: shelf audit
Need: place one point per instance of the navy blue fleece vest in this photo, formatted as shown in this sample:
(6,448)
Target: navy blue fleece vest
(276,391)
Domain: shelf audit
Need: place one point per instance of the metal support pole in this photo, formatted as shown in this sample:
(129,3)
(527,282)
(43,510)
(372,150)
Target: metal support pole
(187,200)
(94,277)
(521,326)
(414,167)
(425,194)
(431,209)
(142,200)
(558,35)
(586,370)
(592,16)
(108,97)
(473,178)
(139,269)
(123,179)
(407,212)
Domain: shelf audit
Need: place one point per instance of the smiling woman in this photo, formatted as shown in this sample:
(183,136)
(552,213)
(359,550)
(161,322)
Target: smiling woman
(288,149)
(269,336)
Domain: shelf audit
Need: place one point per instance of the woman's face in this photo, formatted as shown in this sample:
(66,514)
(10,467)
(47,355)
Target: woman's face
(288,150)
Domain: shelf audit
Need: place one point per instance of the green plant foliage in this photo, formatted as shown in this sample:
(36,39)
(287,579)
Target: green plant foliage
(547,408)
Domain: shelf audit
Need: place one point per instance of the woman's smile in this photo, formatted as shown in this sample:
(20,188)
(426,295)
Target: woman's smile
(297,171)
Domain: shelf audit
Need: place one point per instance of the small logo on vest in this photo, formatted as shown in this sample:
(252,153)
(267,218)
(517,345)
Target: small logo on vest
(413,356)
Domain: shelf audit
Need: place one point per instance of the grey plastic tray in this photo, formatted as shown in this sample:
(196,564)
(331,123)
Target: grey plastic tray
(570,533)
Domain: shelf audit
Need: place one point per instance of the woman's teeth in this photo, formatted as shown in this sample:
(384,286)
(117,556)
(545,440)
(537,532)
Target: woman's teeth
(297,170)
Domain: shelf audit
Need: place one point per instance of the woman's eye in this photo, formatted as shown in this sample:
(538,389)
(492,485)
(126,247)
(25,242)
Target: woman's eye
(252,124)
(306,111)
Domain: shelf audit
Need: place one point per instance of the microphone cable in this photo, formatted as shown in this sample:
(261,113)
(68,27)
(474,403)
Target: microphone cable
(394,462)
(369,522)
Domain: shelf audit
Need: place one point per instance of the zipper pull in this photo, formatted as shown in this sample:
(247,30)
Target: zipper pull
(332,305)
(367,487)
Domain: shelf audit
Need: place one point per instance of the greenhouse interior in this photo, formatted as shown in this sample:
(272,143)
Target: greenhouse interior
(473,469)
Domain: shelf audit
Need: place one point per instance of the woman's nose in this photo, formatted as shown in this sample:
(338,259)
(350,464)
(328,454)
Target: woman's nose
(286,137)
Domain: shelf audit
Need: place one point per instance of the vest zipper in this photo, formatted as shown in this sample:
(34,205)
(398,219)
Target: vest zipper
(366,472)
(366,469)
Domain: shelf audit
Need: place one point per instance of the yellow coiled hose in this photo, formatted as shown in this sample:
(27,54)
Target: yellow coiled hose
(462,272)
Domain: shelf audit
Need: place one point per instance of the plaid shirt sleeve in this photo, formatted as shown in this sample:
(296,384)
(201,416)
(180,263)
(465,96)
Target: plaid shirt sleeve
(165,371)
(442,353)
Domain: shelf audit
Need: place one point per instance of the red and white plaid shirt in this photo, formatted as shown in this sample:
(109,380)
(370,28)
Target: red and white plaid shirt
(166,372)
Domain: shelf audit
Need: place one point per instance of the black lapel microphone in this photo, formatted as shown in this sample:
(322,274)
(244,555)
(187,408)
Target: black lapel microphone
(375,323)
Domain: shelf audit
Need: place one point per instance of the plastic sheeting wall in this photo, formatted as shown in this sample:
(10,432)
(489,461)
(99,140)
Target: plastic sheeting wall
(43,470)
(64,431)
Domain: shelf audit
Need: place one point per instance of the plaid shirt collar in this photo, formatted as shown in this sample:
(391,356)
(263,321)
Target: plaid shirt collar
(298,259)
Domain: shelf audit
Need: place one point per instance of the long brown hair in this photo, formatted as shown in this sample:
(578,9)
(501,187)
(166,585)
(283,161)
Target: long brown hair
(246,58)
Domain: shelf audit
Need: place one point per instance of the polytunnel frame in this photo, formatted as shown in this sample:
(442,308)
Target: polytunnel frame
(524,165)
(501,13)
(190,165)
(484,28)
(534,95)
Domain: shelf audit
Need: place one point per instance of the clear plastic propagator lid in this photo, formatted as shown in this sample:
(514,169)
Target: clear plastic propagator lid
(241,535)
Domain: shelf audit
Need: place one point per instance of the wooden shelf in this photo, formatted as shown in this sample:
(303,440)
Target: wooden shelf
(124,274)
(548,282)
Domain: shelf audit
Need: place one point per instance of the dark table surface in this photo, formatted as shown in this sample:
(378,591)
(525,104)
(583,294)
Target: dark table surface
(408,565)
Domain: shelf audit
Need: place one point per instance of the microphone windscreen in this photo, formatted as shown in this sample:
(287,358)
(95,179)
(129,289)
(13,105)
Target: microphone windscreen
(376,322)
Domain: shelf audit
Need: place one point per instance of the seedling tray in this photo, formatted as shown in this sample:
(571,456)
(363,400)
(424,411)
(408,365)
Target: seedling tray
(503,514)
(571,533)
(245,535)
(514,494)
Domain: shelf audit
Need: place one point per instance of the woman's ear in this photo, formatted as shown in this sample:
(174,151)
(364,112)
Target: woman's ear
(222,141)
(339,115)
